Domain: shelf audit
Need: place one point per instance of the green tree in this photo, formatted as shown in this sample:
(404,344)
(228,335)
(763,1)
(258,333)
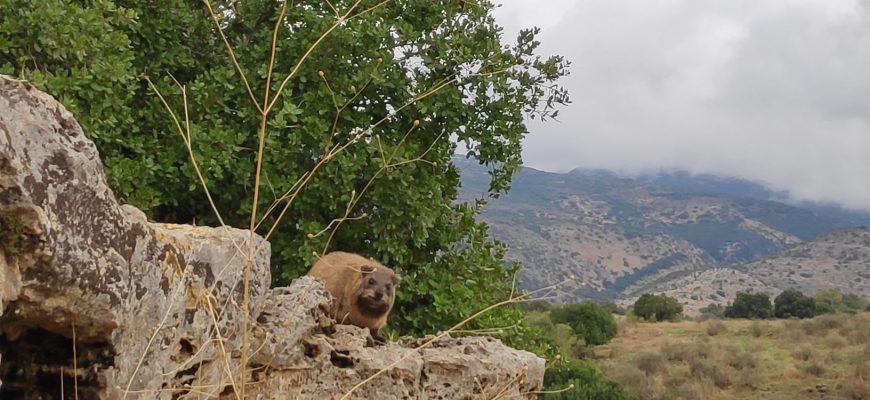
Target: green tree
(657,307)
(750,305)
(792,303)
(394,85)
(590,322)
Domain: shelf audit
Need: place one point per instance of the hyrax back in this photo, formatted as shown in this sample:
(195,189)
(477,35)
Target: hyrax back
(363,290)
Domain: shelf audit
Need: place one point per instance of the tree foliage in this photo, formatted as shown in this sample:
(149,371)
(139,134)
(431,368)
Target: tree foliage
(400,84)
(589,383)
(589,321)
(792,303)
(657,307)
(750,305)
(832,300)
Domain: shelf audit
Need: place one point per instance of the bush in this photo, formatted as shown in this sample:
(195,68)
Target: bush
(748,378)
(815,368)
(590,322)
(803,353)
(682,351)
(652,307)
(835,341)
(690,391)
(707,369)
(589,383)
(650,362)
(856,390)
(741,360)
(756,329)
(792,303)
(750,305)
(832,300)
(636,382)
(716,328)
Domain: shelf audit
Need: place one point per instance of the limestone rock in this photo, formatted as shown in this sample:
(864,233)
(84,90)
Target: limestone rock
(141,296)
(94,296)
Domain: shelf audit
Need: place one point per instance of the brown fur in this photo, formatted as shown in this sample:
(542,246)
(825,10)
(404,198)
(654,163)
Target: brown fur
(355,283)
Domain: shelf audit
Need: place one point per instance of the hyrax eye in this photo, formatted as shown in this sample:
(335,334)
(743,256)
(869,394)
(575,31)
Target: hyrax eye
(371,281)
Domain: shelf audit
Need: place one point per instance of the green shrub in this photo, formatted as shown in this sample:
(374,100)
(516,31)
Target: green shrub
(832,300)
(652,307)
(590,322)
(792,303)
(750,305)
(589,383)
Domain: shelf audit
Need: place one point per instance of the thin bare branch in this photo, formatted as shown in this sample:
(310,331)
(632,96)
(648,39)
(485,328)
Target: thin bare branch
(241,72)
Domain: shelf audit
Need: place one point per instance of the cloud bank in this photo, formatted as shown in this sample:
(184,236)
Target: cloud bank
(775,91)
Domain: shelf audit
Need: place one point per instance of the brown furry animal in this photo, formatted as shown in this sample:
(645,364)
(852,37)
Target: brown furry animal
(363,290)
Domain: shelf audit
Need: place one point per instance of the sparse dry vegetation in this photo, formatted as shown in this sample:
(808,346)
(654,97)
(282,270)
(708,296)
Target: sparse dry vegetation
(716,327)
(729,359)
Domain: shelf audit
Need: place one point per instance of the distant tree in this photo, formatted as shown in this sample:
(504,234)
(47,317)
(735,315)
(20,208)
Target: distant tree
(854,303)
(832,300)
(657,307)
(750,305)
(828,301)
(792,303)
(590,322)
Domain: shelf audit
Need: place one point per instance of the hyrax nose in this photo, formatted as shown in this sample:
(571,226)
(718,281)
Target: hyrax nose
(379,295)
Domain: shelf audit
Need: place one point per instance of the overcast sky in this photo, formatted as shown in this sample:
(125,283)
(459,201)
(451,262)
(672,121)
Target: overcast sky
(776,91)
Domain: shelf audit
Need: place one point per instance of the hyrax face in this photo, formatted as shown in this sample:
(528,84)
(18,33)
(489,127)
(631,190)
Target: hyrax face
(376,290)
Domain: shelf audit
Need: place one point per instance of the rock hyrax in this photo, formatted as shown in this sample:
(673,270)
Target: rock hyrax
(363,290)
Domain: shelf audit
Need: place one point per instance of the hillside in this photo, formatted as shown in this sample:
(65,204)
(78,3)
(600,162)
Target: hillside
(837,260)
(620,234)
(696,290)
(840,259)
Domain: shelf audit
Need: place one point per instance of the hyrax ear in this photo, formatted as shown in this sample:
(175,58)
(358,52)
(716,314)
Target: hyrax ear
(366,270)
(397,280)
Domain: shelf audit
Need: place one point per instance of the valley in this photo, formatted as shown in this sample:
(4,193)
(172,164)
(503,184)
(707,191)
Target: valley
(698,238)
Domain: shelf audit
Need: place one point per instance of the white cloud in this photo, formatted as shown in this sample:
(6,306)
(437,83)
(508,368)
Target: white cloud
(776,91)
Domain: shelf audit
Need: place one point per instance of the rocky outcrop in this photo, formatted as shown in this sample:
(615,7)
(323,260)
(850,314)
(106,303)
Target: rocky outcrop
(96,299)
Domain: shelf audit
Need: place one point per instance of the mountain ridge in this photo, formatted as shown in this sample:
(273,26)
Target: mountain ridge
(618,234)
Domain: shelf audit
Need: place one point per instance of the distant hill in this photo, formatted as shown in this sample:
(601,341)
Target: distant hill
(618,234)
(837,260)
(699,289)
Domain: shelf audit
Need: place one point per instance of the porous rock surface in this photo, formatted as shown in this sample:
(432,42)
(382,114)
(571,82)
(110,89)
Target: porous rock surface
(95,298)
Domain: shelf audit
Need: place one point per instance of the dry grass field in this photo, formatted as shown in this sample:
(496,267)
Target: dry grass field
(827,357)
